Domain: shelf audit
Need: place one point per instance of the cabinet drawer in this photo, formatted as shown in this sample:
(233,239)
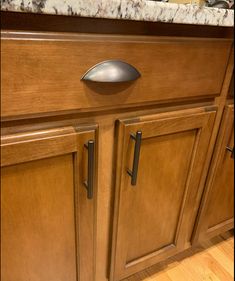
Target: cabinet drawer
(42,72)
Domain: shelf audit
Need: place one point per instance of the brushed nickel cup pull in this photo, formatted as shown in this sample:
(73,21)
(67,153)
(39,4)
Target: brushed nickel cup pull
(134,173)
(111,71)
(90,146)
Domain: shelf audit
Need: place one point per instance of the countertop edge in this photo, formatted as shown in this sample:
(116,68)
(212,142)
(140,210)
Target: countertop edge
(136,10)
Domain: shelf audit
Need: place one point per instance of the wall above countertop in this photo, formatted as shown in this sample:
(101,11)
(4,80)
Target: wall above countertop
(140,10)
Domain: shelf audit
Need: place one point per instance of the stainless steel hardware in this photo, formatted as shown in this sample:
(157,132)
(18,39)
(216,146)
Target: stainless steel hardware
(111,71)
(137,138)
(231,150)
(89,184)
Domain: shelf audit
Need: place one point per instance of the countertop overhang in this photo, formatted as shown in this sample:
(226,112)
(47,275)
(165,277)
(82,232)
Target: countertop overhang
(139,10)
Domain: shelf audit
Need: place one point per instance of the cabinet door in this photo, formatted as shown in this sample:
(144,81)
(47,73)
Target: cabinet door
(47,229)
(155,211)
(217,210)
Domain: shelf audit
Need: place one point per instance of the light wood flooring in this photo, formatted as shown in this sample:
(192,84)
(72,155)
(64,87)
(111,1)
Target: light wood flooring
(211,261)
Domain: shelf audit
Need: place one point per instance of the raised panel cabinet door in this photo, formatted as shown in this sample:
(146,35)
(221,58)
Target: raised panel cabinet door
(217,211)
(159,163)
(47,213)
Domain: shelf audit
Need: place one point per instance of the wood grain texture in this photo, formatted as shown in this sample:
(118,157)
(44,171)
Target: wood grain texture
(153,220)
(212,260)
(43,70)
(152,196)
(21,148)
(48,224)
(38,230)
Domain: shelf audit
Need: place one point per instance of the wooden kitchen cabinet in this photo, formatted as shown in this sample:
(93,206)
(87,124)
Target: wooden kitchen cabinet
(167,121)
(47,219)
(217,212)
(154,213)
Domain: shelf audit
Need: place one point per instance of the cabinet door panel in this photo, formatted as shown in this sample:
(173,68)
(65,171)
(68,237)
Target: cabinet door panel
(223,192)
(43,202)
(37,207)
(217,209)
(158,196)
(154,219)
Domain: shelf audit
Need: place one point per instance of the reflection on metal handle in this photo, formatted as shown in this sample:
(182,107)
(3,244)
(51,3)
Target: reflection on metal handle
(90,178)
(134,172)
(111,71)
(231,150)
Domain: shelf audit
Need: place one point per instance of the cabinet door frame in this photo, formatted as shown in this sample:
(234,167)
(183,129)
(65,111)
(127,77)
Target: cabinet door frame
(202,230)
(41,144)
(200,119)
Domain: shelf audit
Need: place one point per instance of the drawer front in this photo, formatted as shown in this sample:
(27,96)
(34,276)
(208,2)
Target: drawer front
(42,72)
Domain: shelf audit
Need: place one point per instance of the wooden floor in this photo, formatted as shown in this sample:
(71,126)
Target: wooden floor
(211,261)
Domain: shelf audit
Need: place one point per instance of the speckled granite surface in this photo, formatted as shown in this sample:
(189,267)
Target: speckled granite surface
(126,9)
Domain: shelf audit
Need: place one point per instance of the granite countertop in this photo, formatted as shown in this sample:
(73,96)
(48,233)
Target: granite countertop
(141,10)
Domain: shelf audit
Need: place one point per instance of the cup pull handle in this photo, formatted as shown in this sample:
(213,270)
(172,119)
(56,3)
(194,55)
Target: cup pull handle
(111,71)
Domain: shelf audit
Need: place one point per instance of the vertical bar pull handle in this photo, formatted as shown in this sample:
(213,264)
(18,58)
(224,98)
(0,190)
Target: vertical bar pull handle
(133,174)
(90,146)
(231,150)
